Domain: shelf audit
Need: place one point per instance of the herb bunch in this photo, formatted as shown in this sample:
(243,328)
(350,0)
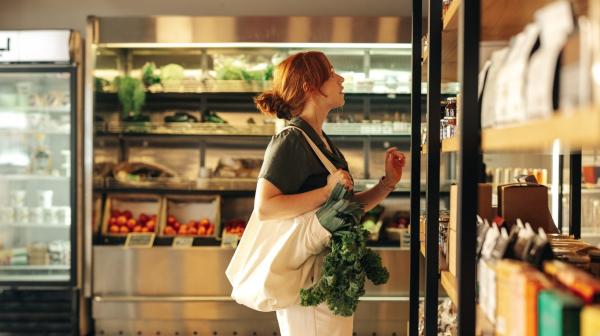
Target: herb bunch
(349,260)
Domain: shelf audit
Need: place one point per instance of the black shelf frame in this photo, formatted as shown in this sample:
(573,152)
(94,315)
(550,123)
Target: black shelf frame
(415,169)
(470,157)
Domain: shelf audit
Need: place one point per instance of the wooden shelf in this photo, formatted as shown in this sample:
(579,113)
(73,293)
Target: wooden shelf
(449,145)
(500,20)
(449,284)
(483,325)
(575,129)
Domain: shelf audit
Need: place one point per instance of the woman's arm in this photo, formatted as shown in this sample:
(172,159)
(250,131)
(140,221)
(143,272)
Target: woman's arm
(394,163)
(271,203)
(371,197)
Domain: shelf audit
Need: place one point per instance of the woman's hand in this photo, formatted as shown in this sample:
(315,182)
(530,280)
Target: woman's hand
(394,163)
(340,176)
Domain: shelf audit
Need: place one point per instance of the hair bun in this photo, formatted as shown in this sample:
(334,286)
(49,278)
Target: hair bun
(272,104)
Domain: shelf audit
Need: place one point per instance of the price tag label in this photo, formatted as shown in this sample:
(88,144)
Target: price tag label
(229,240)
(140,239)
(183,242)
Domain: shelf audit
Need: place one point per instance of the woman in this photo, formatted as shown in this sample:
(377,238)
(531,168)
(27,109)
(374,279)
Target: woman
(293,181)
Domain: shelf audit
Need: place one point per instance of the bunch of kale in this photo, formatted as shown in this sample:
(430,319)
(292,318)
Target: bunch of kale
(349,260)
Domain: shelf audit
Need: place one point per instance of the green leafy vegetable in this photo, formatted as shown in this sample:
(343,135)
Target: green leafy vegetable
(148,76)
(131,95)
(349,260)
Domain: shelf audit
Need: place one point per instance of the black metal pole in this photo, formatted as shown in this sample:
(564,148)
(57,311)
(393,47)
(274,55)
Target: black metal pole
(415,167)
(470,161)
(433,166)
(575,197)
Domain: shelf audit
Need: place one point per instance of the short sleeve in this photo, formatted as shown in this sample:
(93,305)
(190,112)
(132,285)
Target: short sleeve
(286,162)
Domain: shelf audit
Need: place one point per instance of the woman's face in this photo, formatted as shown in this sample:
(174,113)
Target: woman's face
(333,90)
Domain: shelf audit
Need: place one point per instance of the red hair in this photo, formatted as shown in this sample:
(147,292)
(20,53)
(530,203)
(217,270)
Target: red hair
(287,97)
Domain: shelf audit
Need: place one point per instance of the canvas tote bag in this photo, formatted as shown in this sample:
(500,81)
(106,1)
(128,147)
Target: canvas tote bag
(275,258)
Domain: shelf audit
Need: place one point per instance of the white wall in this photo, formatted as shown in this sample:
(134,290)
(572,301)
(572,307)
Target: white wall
(40,14)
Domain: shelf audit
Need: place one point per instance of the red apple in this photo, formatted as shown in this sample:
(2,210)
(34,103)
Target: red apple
(113,221)
(121,220)
(210,231)
(192,231)
(124,229)
(151,225)
(113,229)
(169,231)
(131,223)
(137,228)
(127,214)
(183,229)
(143,218)
(145,229)
(176,226)
(115,213)
(202,231)
(171,220)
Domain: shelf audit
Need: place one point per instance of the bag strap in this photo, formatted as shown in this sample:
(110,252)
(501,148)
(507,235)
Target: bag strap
(324,160)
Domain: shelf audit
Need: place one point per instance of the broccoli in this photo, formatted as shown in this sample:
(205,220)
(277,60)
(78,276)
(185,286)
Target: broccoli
(349,259)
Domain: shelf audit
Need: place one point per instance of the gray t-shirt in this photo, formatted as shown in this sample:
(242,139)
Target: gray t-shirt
(291,164)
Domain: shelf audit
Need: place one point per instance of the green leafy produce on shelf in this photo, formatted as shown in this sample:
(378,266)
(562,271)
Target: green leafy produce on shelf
(100,83)
(131,95)
(211,117)
(171,73)
(229,72)
(349,260)
(269,72)
(148,74)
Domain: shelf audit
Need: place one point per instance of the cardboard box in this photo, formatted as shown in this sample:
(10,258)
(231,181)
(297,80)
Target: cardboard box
(137,204)
(528,202)
(190,210)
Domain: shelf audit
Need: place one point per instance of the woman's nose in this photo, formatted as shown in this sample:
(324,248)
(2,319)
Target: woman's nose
(341,79)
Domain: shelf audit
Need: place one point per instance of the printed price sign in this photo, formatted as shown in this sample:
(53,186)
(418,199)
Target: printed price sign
(140,239)
(229,240)
(183,242)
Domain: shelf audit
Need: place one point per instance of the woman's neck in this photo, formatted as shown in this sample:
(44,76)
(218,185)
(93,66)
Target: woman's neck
(314,116)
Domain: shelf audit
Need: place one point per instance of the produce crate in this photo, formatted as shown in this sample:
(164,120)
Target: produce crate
(145,210)
(198,216)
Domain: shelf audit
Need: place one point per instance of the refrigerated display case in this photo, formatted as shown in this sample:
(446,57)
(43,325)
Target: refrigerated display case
(40,113)
(198,134)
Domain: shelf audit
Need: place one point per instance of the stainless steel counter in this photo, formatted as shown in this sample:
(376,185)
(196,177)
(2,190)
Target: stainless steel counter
(182,291)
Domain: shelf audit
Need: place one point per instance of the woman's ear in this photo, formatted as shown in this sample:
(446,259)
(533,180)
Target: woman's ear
(305,87)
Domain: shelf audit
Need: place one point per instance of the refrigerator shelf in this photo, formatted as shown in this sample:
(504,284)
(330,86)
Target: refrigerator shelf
(34,226)
(33,109)
(35,268)
(25,177)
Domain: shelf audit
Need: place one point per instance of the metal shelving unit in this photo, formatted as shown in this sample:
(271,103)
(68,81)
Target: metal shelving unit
(465,25)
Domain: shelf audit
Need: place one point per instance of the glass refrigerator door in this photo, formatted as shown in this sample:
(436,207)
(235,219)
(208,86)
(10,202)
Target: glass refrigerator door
(36,182)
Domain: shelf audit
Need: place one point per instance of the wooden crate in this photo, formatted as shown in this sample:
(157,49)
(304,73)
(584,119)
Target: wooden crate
(136,204)
(187,209)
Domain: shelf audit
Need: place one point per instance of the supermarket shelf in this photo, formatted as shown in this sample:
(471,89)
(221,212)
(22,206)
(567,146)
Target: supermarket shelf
(575,129)
(222,186)
(32,109)
(35,268)
(34,226)
(499,22)
(42,278)
(449,145)
(483,325)
(27,177)
(449,284)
